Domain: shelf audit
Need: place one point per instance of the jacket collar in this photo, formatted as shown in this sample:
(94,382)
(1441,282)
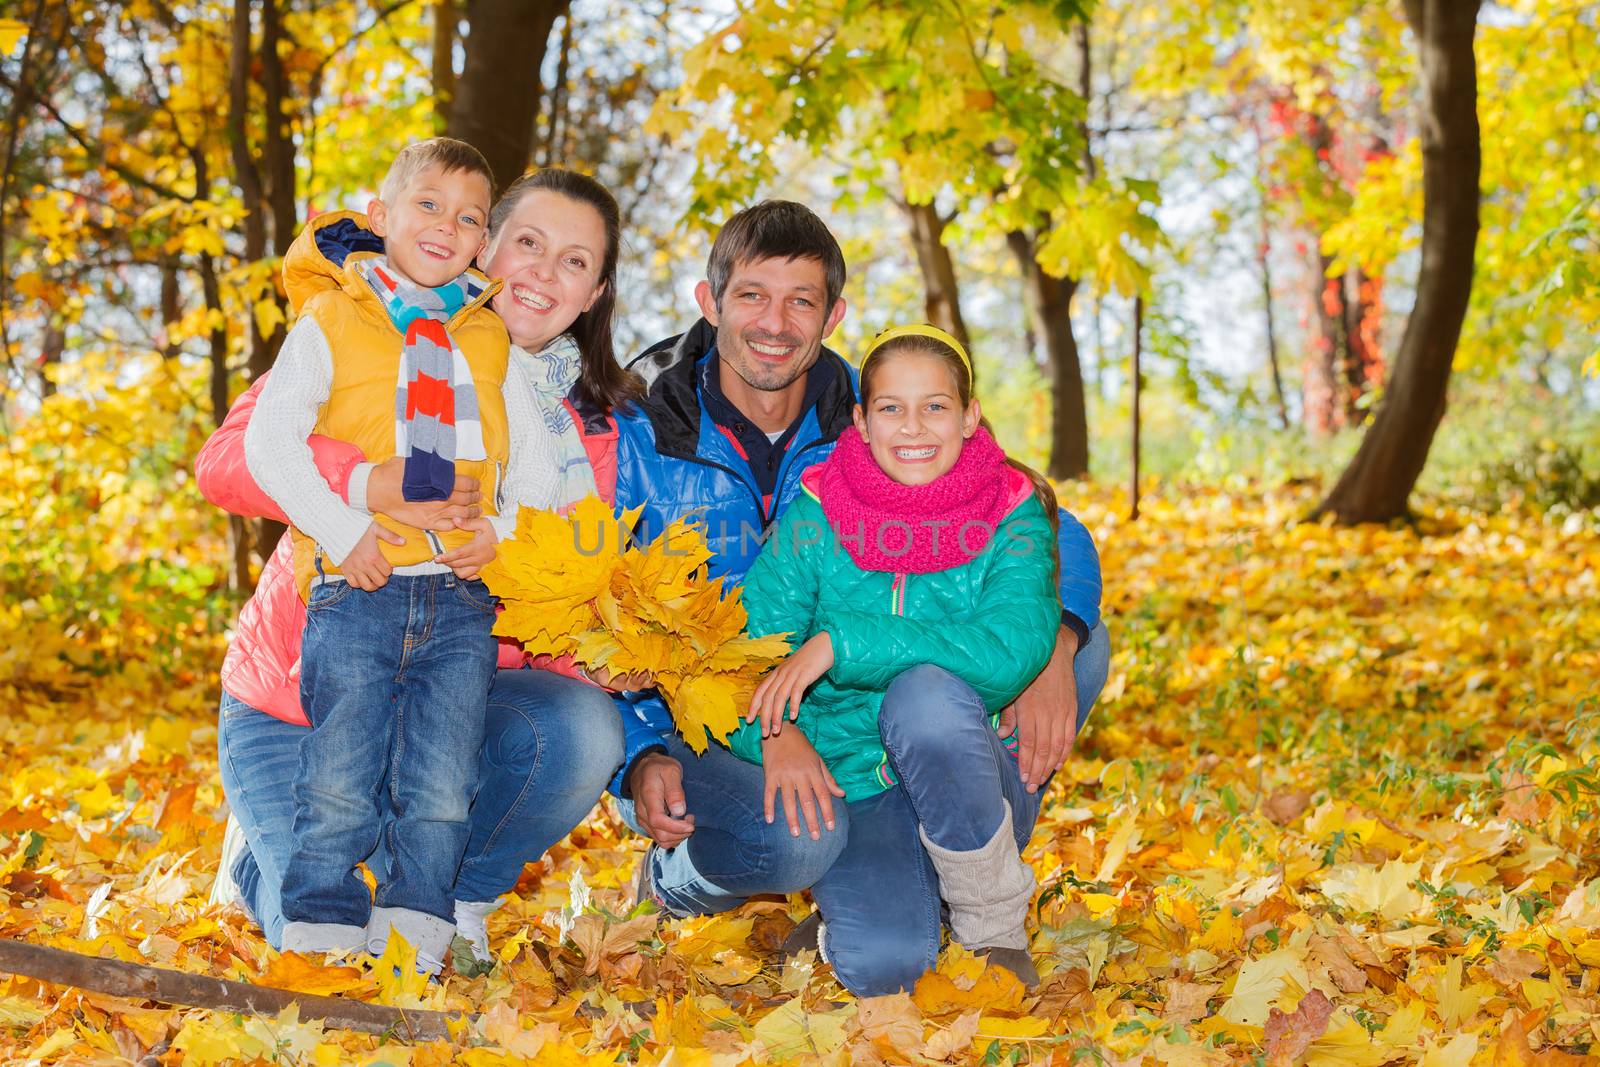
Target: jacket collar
(673,402)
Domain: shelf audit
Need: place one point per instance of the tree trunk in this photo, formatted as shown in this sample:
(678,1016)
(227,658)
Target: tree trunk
(1326,400)
(1049,301)
(556,126)
(1377,485)
(278,159)
(1264,252)
(445,17)
(499,85)
(238,532)
(941,301)
(51,349)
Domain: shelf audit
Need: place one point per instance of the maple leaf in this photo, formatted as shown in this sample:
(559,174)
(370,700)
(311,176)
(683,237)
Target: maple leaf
(570,585)
(293,971)
(1289,1034)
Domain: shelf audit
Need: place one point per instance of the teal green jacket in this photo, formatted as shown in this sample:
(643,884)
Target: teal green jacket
(992,622)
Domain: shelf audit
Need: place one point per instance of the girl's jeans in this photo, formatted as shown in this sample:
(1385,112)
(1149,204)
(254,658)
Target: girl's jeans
(550,746)
(880,901)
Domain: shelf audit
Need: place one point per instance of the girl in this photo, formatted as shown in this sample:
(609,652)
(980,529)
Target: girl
(552,741)
(920,557)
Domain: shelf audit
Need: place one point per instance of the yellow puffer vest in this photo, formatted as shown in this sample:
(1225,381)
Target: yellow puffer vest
(366,347)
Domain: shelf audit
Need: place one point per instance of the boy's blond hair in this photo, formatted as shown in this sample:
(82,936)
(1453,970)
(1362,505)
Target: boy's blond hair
(446,153)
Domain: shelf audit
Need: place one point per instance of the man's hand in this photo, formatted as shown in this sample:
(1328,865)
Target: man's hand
(365,568)
(1045,716)
(788,682)
(476,554)
(795,771)
(384,495)
(656,785)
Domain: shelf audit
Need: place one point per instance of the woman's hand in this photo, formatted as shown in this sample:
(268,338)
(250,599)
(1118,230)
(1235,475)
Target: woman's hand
(476,554)
(620,683)
(365,568)
(794,770)
(788,682)
(384,495)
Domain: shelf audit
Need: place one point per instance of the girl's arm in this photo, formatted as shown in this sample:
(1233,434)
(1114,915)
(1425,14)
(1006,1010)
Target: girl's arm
(224,479)
(998,649)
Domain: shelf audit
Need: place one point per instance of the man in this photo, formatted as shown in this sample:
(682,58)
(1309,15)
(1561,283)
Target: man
(739,407)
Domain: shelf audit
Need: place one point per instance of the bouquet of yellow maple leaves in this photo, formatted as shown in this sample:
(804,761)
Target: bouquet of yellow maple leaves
(575,585)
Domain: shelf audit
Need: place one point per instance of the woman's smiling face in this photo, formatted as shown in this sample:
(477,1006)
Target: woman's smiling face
(548,256)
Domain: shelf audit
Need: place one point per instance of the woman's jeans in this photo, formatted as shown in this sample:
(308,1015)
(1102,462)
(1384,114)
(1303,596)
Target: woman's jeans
(395,681)
(550,745)
(880,901)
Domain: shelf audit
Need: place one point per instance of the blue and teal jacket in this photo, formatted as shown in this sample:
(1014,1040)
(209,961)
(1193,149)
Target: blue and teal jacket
(673,461)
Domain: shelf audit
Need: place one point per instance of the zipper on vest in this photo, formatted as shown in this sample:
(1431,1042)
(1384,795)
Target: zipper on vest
(897,595)
(499,488)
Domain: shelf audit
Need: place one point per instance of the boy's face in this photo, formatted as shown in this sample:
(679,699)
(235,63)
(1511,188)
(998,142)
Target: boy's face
(436,226)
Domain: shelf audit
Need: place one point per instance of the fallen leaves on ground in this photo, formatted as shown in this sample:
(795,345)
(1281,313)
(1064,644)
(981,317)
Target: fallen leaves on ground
(1337,806)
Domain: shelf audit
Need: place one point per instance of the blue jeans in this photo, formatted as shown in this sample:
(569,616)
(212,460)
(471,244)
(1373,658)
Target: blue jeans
(550,745)
(394,682)
(880,901)
(734,853)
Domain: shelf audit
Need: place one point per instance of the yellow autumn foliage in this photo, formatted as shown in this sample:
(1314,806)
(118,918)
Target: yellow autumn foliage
(575,585)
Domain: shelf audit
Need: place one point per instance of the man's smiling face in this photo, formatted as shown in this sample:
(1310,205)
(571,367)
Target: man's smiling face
(771,319)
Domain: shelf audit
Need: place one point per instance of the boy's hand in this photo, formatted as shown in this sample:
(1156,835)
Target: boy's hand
(384,495)
(788,682)
(475,554)
(365,568)
(794,770)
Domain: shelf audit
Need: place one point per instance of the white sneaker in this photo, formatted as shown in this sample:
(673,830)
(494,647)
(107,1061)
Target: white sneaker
(224,890)
(472,925)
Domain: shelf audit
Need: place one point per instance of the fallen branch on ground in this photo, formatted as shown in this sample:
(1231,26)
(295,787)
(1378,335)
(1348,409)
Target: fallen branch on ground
(201,991)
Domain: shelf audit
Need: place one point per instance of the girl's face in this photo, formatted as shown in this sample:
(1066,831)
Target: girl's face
(914,424)
(549,255)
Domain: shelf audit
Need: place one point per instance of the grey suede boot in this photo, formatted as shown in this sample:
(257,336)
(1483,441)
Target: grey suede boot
(988,890)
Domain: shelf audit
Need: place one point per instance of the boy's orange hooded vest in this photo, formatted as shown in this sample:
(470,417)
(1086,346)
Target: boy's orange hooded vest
(366,346)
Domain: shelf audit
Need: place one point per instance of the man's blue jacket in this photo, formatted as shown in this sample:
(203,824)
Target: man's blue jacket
(672,460)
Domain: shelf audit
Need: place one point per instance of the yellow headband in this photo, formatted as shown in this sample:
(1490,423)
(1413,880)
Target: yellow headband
(920,330)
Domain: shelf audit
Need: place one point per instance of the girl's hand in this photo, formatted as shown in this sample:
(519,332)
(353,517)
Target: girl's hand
(794,770)
(384,496)
(788,682)
(475,554)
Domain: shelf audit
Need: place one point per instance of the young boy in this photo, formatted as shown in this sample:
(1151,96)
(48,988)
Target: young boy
(397,352)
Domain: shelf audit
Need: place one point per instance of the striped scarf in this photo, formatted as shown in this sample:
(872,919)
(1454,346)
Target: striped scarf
(436,419)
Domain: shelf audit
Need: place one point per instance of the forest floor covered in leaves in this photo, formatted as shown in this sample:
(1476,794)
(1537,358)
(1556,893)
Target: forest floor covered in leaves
(1338,805)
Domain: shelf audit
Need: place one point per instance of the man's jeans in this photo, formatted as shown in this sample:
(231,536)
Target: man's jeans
(550,746)
(880,898)
(734,852)
(394,682)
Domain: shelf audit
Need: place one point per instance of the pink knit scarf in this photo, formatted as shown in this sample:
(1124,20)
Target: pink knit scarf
(914,529)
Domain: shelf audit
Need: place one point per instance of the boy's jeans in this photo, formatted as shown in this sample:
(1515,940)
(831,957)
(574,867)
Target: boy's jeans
(394,682)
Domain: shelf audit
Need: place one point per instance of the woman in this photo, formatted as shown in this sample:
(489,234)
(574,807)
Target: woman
(552,740)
